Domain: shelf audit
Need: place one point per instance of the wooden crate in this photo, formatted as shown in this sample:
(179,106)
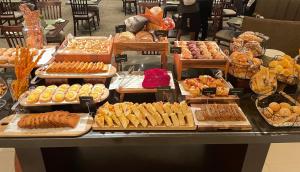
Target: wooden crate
(84,57)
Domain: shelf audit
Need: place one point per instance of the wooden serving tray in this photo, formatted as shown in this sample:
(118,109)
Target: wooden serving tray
(183,64)
(285,124)
(223,125)
(41,73)
(9,128)
(149,128)
(62,55)
(23,102)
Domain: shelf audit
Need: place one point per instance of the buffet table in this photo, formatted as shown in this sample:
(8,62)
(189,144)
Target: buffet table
(256,142)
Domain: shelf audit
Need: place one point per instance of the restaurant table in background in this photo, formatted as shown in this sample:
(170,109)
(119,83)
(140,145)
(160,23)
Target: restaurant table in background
(59,26)
(89,2)
(236,22)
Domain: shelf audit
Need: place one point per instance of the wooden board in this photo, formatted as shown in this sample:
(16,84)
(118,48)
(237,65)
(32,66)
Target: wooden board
(224,125)
(41,73)
(8,128)
(203,98)
(149,128)
(23,102)
(270,122)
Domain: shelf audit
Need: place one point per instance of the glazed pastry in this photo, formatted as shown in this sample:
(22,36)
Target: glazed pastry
(96,96)
(75,87)
(45,96)
(274,106)
(70,96)
(58,97)
(77,67)
(51,87)
(63,88)
(32,98)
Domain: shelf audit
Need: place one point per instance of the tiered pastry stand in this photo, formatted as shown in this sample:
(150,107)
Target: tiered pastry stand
(184,64)
(160,46)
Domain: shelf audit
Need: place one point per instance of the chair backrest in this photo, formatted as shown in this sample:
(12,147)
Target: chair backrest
(6,8)
(79,7)
(143,4)
(284,35)
(13,35)
(217,16)
(50,9)
(279,9)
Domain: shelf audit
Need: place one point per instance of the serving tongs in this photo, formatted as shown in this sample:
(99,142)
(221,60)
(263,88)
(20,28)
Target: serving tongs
(124,76)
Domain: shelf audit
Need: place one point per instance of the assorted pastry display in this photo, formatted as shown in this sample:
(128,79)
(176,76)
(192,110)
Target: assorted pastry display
(56,119)
(8,55)
(141,36)
(249,41)
(98,45)
(279,113)
(134,115)
(243,64)
(3,89)
(195,86)
(64,93)
(200,50)
(264,81)
(77,67)
(219,113)
(286,69)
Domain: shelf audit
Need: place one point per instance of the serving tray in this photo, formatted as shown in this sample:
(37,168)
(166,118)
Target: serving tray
(41,73)
(9,128)
(220,125)
(23,102)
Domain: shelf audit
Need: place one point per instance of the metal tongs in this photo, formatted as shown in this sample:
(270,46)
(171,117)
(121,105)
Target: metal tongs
(123,81)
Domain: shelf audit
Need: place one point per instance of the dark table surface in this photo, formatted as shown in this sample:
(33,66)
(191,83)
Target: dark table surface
(262,132)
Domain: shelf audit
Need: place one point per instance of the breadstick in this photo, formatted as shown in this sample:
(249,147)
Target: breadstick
(166,119)
(178,111)
(141,117)
(108,121)
(133,119)
(174,119)
(148,115)
(154,113)
(159,107)
(188,113)
(115,118)
(100,120)
(118,109)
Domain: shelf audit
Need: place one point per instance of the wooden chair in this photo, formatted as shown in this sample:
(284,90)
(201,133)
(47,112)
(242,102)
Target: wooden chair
(51,10)
(129,2)
(81,12)
(13,35)
(7,13)
(143,4)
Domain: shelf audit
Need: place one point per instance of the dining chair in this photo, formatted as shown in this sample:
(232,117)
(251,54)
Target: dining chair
(129,2)
(143,4)
(50,10)
(229,9)
(7,13)
(13,35)
(80,12)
